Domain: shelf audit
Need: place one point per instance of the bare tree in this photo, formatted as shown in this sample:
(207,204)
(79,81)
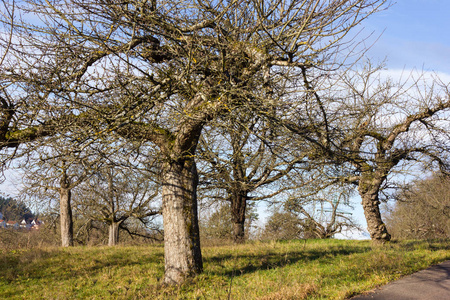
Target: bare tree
(243,161)
(159,71)
(323,212)
(115,194)
(373,128)
(50,169)
(397,126)
(60,163)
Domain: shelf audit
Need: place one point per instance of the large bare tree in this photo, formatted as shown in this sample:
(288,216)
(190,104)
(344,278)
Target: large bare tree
(397,125)
(158,71)
(373,128)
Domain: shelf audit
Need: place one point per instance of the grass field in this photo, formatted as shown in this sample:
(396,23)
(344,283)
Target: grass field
(311,269)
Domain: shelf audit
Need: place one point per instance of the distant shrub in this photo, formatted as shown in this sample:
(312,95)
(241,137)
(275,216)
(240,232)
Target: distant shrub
(28,239)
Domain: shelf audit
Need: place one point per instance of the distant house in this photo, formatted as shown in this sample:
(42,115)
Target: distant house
(23,224)
(36,223)
(12,224)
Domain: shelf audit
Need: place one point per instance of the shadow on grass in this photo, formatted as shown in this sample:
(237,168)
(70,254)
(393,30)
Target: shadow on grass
(67,264)
(17,262)
(273,259)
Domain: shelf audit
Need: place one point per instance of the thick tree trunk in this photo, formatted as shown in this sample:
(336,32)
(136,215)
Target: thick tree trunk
(238,232)
(113,234)
(65,214)
(182,253)
(238,208)
(368,189)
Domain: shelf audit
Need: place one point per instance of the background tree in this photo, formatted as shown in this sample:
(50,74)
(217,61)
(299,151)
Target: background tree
(283,225)
(114,195)
(243,161)
(216,221)
(60,165)
(422,209)
(323,213)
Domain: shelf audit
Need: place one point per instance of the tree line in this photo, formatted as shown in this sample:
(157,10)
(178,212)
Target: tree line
(12,210)
(250,99)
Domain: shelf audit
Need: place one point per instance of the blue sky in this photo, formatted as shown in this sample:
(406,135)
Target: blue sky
(414,34)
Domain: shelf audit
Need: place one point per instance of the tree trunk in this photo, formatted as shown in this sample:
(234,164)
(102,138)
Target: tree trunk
(182,253)
(368,189)
(238,208)
(113,233)
(65,213)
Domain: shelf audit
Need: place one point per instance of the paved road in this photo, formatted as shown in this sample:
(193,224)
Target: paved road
(432,283)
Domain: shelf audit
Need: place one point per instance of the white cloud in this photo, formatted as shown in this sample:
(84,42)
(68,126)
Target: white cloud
(409,76)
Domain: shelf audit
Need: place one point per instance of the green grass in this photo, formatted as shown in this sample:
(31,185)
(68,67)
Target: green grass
(312,269)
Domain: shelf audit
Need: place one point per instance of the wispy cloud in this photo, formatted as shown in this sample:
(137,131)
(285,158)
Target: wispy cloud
(412,75)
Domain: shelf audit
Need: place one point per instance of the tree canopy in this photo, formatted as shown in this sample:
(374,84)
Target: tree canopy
(156,74)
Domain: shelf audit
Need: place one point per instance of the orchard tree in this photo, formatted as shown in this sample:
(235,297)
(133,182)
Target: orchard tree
(373,128)
(60,165)
(60,177)
(243,161)
(322,212)
(396,126)
(115,194)
(159,71)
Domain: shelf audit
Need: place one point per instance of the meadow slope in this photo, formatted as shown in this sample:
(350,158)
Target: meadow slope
(307,269)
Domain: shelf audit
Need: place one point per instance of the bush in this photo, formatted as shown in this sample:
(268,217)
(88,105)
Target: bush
(422,210)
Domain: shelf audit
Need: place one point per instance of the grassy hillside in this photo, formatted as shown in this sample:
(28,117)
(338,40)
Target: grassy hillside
(312,269)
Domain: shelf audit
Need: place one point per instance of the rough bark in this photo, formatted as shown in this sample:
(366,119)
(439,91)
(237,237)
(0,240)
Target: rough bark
(368,190)
(238,232)
(238,208)
(182,252)
(113,233)
(65,213)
